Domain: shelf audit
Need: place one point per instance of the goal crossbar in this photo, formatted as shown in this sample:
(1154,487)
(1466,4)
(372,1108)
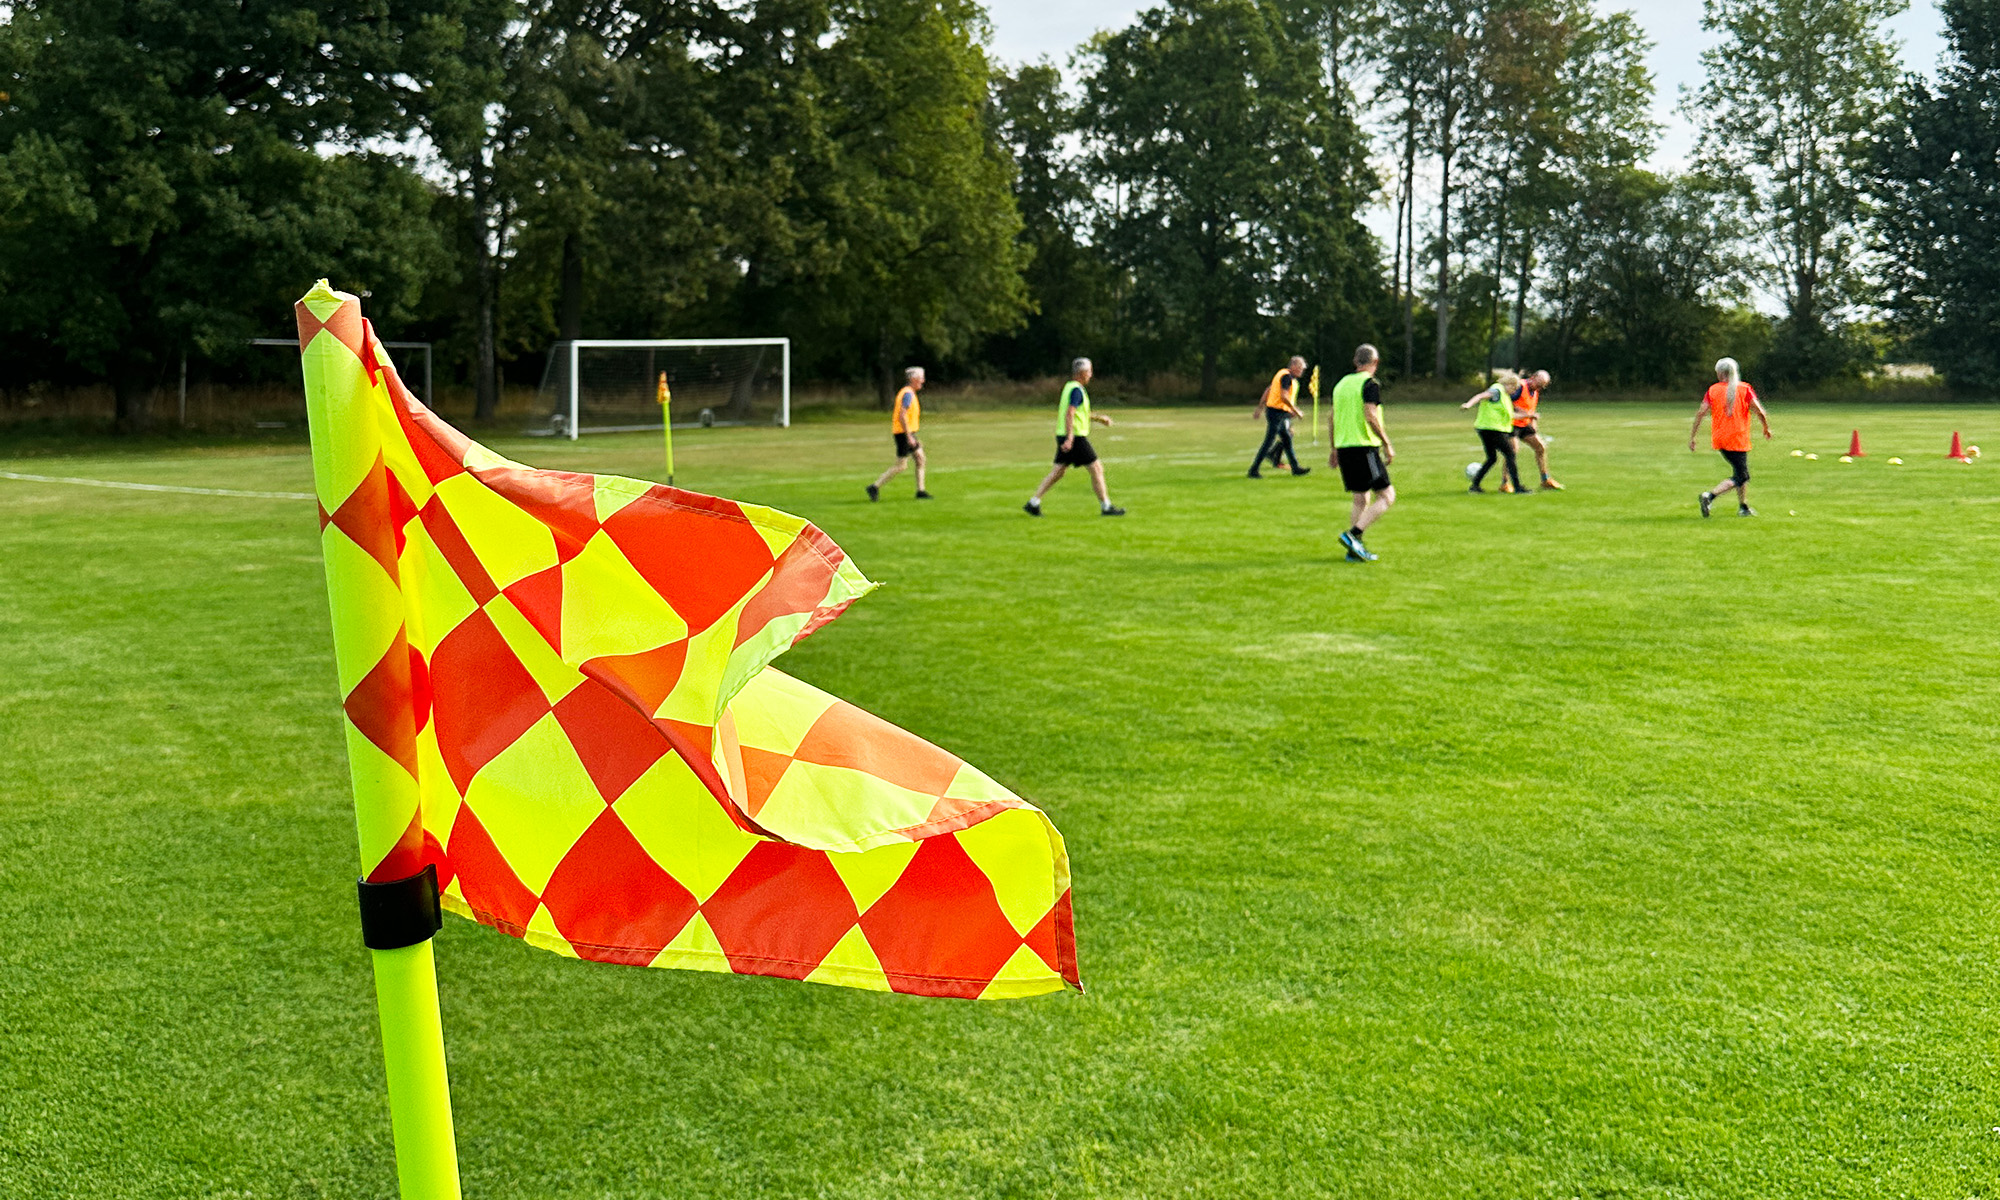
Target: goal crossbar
(571,348)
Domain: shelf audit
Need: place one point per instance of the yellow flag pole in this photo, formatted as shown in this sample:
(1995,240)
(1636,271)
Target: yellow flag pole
(665,396)
(398,893)
(1314,385)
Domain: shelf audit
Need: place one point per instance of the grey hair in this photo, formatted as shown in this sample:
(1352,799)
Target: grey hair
(1727,371)
(1365,354)
(1079,366)
(1298,359)
(910,373)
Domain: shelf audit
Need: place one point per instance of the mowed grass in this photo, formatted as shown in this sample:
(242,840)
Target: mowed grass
(1579,847)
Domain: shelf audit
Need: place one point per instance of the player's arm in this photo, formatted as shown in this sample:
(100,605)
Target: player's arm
(1069,423)
(1477,399)
(1700,411)
(1373,412)
(1103,419)
(1761,415)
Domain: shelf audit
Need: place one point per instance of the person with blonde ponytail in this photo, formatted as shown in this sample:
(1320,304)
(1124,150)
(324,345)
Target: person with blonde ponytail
(1728,404)
(1495,406)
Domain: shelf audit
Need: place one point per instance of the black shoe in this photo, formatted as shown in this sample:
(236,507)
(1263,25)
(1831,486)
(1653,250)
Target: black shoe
(1476,490)
(1746,511)
(923,496)
(1111,510)
(1254,474)
(1707,499)
(1032,509)
(1302,470)
(874,493)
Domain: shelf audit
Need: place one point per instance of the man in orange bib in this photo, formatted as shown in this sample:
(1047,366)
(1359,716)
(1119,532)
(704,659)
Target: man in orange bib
(1728,404)
(1278,409)
(903,425)
(1528,424)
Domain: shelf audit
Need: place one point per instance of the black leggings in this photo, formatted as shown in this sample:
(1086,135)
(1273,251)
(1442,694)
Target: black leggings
(1275,431)
(1498,445)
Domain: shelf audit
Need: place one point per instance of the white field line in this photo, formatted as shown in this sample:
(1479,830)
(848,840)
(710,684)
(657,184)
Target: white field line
(155,487)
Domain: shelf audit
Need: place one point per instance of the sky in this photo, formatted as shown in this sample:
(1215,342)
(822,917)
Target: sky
(1024,30)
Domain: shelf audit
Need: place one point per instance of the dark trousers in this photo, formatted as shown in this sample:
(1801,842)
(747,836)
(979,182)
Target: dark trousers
(1498,445)
(1276,433)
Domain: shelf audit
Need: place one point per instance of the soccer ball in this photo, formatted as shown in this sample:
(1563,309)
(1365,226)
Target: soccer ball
(1472,470)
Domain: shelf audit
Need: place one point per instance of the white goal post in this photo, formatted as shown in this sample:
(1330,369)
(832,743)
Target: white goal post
(569,377)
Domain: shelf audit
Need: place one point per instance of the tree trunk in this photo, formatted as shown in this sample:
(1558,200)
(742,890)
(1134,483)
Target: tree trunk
(1521,301)
(132,390)
(569,308)
(1499,273)
(885,368)
(1407,237)
(486,360)
(1444,259)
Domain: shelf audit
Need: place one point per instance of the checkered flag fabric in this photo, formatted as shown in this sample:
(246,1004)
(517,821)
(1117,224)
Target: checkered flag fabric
(557,690)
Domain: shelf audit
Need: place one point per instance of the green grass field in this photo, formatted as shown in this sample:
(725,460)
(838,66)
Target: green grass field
(1579,847)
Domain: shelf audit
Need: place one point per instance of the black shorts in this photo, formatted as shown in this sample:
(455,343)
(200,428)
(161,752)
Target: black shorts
(1521,431)
(1361,468)
(1739,465)
(907,445)
(1079,453)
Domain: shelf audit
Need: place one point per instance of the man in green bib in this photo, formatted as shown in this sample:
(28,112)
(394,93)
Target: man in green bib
(1073,447)
(1362,450)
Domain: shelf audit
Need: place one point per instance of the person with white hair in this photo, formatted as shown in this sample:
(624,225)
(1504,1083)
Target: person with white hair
(1277,407)
(903,424)
(1728,404)
(1073,447)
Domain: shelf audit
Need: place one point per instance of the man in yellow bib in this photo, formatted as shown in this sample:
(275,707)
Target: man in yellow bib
(903,426)
(1073,447)
(1278,409)
(1362,450)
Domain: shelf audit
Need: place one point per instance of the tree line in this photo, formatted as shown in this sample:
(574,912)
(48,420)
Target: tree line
(1182,196)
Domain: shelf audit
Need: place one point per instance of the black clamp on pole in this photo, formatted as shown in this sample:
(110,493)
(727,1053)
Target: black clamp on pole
(402,912)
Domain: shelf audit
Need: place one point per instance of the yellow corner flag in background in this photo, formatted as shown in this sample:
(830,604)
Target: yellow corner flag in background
(1313,386)
(562,723)
(664,395)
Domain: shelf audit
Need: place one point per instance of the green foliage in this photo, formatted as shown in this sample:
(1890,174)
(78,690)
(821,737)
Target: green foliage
(162,188)
(1233,181)
(1940,217)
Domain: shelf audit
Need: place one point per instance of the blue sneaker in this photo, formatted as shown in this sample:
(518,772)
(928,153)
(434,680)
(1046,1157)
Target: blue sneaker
(1356,552)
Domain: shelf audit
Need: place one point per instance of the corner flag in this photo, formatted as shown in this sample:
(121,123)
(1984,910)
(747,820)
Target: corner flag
(558,701)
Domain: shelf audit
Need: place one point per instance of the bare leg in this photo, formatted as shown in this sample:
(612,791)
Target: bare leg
(1050,482)
(919,456)
(1360,506)
(1723,488)
(1541,453)
(896,470)
(1097,483)
(1369,514)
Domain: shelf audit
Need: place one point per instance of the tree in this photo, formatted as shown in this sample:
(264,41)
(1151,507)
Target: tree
(1940,221)
(912,191)
(164,156)
(1235,179)
(1069,284)
(1793,104)
(1641,272)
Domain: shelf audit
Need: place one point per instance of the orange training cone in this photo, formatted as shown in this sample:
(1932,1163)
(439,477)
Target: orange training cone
(1957,451)
(1854,446)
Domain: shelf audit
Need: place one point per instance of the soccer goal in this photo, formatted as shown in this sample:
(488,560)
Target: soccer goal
(595,386)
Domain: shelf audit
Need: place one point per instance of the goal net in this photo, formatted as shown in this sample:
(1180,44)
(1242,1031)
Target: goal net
(613,386)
